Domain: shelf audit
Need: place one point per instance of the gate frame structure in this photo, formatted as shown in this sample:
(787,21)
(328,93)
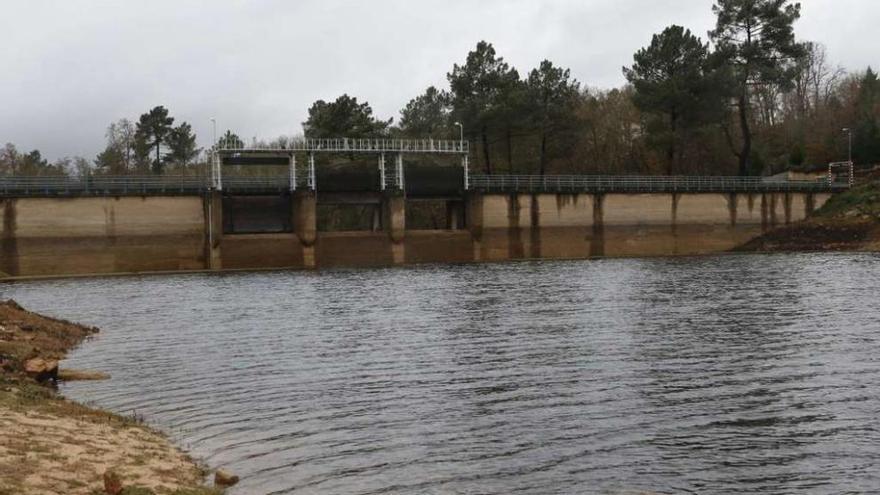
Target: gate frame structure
(235,149)
(848,172)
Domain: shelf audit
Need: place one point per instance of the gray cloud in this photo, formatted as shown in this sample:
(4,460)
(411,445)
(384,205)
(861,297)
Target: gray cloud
(70,67)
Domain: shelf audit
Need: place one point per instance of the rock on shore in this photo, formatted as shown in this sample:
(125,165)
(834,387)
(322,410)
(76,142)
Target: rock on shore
(52,445)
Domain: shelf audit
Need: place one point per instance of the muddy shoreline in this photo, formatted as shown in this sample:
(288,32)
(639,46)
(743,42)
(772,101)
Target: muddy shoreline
(818,234)
(49,444)
(849,221)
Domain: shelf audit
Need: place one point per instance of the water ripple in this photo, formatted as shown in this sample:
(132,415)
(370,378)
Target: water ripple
(698,375)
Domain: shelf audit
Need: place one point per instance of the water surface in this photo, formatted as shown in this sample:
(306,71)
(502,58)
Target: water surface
(723,374)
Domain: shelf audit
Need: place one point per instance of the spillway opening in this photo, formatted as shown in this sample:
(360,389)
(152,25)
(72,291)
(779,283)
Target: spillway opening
(434,214)
(256,215)
(349,217)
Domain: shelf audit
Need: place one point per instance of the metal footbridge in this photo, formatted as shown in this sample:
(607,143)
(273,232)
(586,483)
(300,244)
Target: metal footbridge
(188,185)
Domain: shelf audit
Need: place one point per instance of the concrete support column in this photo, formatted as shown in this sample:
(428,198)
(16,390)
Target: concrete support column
(464,165)
(304,205)
(395,222)
(597,240)
(376,221)
(214,230)
(9,262)
(809,204)
(454,215)
(473,214)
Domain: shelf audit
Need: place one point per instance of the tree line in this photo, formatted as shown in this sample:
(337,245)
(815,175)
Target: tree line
(153,144)
(750,99)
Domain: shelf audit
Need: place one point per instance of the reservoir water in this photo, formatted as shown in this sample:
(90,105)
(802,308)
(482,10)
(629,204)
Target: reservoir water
(730,374)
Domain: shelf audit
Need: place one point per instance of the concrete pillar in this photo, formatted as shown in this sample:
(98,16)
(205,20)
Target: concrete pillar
(304,206)
(376,221)
(395,223)
(787,207)
(809,205)
(454,215)
(464,165)
(765,213)
(213,230)
(9,264)
(395,217)
(473,214)
(597,239)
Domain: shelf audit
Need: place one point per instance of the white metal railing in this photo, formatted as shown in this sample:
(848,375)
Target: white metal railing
(394,179)
(97,185)
(582,183)
(836,169)
(351,145)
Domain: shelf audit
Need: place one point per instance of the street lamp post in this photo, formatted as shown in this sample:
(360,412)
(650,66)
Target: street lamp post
(461,131)
(213,161)
(214,152)
(848,132)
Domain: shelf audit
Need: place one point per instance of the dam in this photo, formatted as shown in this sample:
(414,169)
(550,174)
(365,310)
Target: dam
(236,219)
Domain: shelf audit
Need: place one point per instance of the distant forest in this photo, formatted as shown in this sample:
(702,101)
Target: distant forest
(750,99)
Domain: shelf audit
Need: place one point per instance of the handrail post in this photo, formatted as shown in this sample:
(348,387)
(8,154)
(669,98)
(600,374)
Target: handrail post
(382,171)
(292,173)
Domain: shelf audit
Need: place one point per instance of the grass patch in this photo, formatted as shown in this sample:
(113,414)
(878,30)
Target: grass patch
(860,201)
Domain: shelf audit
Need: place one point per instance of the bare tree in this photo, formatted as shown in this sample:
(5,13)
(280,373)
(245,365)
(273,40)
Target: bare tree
(120,135)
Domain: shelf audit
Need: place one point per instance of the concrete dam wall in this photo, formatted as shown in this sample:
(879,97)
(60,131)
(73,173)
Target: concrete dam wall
(82,235)
(93,235)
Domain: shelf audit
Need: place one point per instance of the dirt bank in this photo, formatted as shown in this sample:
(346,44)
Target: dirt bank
(818,234)
(50,445)
(849,221)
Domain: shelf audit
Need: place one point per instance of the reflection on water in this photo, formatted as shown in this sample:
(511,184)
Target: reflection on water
(709,375)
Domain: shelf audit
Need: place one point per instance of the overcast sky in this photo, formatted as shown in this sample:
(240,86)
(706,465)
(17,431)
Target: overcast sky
(70,67)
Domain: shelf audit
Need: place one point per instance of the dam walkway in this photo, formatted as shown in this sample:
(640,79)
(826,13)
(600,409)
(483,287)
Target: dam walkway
(419,176)
(444,182)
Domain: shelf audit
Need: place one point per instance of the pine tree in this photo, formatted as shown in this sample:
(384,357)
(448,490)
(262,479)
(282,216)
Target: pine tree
(552,99)
(344,117)
(182,145)
(478,90)
(153,130)
(427,115)
(866,139)
(677,87)
(756,39)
